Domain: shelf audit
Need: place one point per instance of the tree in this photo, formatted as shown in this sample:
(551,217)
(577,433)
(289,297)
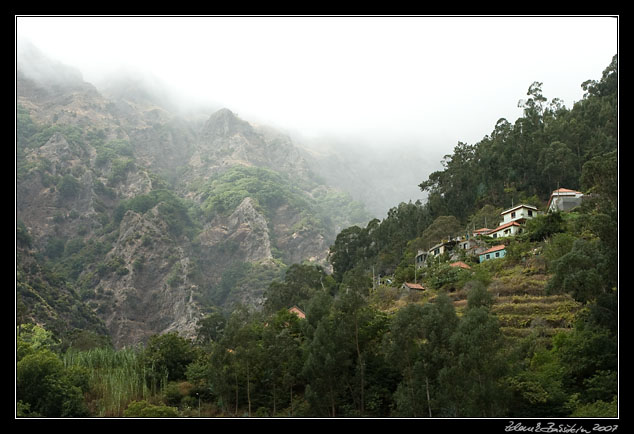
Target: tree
(327,366)
(348,249)
(538,390)
(403,352)
(609,83)
(478,296)
(47,388)
(31,338)
(442,228)
(439,323)
(600,176)
(300,283)
(581,272)
(166,357)
(543,226)
(472,382)
(318,308)
(559,166)
(350,310)
(282,342)
(211,327)
(487,216)
(222,377)
(588,356)
(240,359)
(247,354)
(455,183)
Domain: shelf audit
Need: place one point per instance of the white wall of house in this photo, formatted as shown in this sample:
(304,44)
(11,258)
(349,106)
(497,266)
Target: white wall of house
(421,259)
(517,213)
(506,232)
(565,201)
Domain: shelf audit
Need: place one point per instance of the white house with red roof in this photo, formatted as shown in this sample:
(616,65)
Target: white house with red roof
(564,199)
(506,230)
(512,220)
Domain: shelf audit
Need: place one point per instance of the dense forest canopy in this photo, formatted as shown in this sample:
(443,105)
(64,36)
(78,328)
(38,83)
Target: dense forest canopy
(364,348)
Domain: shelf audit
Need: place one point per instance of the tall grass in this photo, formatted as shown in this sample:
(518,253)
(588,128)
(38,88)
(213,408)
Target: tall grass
(117,377)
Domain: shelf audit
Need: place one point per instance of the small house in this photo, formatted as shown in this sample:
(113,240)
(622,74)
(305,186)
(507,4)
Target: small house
(297,311)
(481,231)
(564,199)
(494,252)
(412,286)
(518,214)
(421,258)
(467,244)
(506,230)
(443,247)
(460,264)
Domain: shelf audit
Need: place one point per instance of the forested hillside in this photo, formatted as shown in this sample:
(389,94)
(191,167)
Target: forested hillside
(531,335)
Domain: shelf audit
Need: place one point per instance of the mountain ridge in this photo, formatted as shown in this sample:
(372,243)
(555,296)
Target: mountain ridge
(152,218)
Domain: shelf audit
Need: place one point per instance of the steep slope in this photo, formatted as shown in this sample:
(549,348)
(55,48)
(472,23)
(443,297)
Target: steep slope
(152,218)
(42,297)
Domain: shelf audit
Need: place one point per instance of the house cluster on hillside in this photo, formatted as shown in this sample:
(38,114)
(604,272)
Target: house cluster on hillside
(513,219)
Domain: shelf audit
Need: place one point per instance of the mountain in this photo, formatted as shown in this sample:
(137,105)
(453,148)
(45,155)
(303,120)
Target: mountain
(136,219)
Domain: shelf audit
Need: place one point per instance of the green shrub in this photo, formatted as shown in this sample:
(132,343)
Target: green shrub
(145,409)
(68,186)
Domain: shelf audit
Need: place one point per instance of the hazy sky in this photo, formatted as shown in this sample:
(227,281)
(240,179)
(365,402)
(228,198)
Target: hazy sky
(431,80)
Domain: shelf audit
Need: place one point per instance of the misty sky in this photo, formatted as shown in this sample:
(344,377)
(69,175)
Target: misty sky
(428,80)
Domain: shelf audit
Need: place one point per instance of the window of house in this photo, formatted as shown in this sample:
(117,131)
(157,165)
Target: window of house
(497,254)
(488,256)
(513,215)
(530,213)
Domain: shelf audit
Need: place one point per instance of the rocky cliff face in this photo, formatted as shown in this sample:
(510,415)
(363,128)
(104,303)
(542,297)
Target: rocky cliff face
(142,213)
(246,228)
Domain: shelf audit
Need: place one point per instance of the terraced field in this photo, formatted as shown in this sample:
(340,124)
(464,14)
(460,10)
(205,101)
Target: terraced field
(520,315)
(521,303)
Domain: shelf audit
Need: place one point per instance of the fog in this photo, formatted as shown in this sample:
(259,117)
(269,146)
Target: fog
(412,86)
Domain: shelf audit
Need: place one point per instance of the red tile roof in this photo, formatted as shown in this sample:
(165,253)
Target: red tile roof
(505,225)
(460,264)
(481,231)
(494,249)
(565,190)
(414,286)
(297,311)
